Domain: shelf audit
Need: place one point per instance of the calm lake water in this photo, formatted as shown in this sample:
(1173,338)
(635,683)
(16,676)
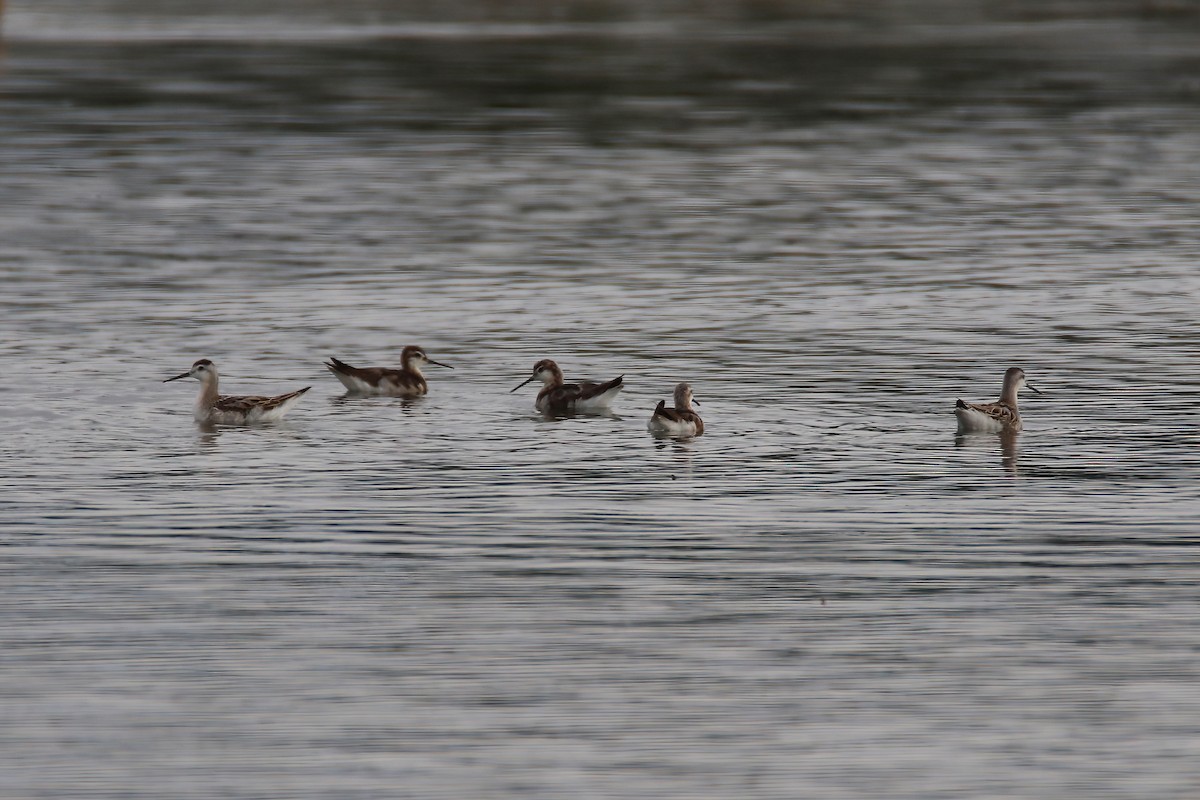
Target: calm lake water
(831,235)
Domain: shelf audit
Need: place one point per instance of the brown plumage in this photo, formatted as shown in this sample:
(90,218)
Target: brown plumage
(558,397)
(245,404)
(680,420)
(212,407)
(408,381)
(1000,411)
(999,416)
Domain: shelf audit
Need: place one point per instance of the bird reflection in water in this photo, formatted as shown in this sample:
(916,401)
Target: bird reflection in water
(1008,447)
(680,467)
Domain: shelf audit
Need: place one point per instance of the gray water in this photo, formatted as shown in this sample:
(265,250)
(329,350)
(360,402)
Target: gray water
(831,235)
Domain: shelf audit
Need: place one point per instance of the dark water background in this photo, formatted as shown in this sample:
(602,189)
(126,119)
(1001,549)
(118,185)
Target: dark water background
(831,228)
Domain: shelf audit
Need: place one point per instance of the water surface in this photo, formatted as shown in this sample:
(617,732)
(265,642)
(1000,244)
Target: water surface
(827,595)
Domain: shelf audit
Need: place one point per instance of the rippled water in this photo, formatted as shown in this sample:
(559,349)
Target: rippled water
(827,595)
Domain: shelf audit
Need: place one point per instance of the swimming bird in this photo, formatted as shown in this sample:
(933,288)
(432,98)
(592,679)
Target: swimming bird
(408,381)
(680,420)
(995,417)
(212,407)
(557,397)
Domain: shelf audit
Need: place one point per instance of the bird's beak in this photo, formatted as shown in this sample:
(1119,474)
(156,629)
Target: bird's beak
(438,363)
(695,402)
(527,380)
(1030,388)
(177,377)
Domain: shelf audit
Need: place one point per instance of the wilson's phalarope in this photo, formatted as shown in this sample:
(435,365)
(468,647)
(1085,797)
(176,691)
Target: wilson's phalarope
(680,420)
(995,417)
(229,410)
(404,382)
(557,397)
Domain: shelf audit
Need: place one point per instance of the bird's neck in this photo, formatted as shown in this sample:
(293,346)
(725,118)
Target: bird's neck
(208,392)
